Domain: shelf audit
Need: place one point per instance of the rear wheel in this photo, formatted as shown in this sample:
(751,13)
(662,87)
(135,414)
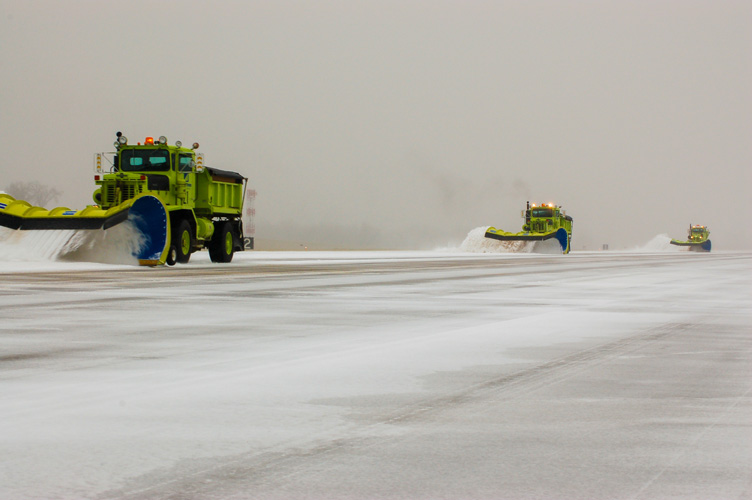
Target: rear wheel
(182,238)
(222,245)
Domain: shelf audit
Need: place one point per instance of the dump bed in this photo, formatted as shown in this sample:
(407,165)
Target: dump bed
(219,193)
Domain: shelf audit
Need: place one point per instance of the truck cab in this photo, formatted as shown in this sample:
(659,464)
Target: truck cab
(698,234)
(545,218)
(168,171)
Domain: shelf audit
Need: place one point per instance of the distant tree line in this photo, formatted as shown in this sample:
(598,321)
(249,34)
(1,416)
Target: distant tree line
(33,192)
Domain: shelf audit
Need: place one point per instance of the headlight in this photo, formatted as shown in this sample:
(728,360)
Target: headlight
(162,139)
(123,139)
(178,143)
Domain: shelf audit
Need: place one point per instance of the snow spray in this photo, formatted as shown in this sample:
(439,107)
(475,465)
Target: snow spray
(116,245)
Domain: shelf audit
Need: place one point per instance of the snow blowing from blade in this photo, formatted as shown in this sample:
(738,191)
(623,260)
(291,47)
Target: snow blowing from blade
(660,243)
(551,247)
(116,245)
(476,242)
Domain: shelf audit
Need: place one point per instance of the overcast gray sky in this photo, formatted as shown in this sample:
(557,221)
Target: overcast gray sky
(402,123)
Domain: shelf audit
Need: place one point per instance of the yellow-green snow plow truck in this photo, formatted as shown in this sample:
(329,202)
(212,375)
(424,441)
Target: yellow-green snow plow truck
(698,239)
(178,204)
(542,222)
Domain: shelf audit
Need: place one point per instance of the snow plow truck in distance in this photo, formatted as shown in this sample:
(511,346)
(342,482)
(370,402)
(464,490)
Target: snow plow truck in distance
(542,222)
(698,239)
(178,204)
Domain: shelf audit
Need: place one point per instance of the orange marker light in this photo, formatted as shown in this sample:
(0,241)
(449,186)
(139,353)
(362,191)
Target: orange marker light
(149,141)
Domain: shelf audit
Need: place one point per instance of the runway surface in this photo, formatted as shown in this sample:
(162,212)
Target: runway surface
(411,375)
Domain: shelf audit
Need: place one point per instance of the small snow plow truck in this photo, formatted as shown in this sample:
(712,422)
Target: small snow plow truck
(542,222)
(165,191)
(697,239)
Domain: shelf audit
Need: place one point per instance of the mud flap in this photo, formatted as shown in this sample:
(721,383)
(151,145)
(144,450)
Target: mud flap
(149,215)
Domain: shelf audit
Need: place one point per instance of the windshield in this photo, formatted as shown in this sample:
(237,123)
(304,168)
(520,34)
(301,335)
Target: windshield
(698,230)
(542,212)
(185,163)
(151,160)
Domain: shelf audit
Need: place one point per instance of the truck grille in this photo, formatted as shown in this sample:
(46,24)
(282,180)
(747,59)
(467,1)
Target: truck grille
(540,227)
(116,193)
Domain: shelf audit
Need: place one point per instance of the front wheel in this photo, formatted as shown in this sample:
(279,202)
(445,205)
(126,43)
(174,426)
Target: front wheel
(172,255)
(182,238)
(222,245)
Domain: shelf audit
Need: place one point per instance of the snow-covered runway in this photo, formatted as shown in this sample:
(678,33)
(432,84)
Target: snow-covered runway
(379,375)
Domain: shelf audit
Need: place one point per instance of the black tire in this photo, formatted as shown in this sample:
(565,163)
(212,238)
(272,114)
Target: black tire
(182,239)
(222,244)
(172,255)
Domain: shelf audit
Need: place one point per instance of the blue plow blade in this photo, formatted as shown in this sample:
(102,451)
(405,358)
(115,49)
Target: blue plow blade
(149,215)
(563,238)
